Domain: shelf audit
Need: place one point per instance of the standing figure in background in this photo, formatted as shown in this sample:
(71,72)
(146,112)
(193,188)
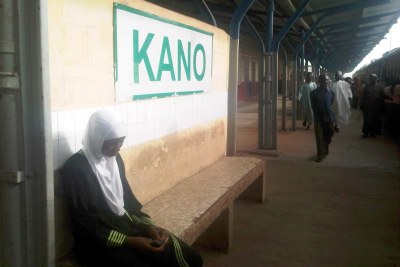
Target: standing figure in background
(358,86)
(352,85)
(304,98)
(392,106)
(324,118)
(372,104)
(341,104)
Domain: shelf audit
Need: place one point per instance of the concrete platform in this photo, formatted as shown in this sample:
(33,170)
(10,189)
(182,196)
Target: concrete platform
(341,212)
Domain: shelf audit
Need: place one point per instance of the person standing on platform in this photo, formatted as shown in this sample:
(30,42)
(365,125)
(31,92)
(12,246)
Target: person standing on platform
(358,86)
(341,104)
(321,102)
(304,98)
(372,104)
(393,114)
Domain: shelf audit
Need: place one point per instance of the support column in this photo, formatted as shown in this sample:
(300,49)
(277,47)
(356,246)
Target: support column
(271,59)
(26,160)
(13,251)
(261,90)
(271,78)
(294,94)
(233,74)
(232,96)
(272,48)
(284,91)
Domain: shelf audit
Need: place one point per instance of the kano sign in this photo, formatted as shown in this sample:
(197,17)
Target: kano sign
(158,57)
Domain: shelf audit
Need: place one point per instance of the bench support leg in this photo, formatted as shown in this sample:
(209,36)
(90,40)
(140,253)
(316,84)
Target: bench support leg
(218,235)
(256,191)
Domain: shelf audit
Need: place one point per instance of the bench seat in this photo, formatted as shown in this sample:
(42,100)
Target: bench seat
(200,208)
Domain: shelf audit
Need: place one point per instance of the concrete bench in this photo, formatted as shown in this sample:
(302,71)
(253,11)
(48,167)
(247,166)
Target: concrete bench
(199,210)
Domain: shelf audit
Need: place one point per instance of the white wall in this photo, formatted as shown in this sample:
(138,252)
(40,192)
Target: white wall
(145,120)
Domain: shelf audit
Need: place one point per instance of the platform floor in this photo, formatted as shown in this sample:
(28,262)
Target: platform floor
(344,211)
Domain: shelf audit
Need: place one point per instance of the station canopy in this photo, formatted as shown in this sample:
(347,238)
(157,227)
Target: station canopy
(341,32)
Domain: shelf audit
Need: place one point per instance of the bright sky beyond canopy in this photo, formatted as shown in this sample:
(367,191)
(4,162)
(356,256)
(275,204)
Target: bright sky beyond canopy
(389,42)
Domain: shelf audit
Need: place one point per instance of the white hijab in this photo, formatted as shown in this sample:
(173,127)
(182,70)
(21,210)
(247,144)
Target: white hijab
(105,125)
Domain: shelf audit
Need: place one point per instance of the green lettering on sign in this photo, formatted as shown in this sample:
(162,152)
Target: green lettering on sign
(165,66)
(199,48)
(141,55)
(182,60)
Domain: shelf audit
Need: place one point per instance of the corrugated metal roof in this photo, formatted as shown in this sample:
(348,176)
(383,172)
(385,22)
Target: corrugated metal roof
(348,29)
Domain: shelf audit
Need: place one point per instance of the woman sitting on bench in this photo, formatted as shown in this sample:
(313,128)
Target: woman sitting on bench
(109,227)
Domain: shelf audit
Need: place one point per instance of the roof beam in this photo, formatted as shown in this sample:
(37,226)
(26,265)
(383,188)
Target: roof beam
(358,21)
(358,39)
(359,29)
(348,7)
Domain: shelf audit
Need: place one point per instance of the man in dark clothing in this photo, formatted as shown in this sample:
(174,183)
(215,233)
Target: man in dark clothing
(324,118)
(371,104)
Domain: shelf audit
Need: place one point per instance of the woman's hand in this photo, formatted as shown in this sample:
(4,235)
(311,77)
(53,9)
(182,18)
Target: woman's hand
(143,244)
(158,233)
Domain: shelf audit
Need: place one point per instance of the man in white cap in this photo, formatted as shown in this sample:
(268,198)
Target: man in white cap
(341,103)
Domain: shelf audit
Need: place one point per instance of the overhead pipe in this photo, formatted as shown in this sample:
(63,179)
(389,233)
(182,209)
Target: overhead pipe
(237,18)
(210,13)
(294,9)
(309,32)
(292,20)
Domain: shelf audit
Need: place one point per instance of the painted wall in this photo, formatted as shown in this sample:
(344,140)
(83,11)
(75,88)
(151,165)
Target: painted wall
(168,139)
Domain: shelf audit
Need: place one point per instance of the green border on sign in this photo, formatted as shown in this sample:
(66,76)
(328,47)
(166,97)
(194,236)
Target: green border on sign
(115,43)
(152,16)
(119,6)
(169,94)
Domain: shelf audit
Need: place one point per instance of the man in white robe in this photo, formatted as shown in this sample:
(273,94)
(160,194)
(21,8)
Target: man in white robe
(304,98)
(341,103)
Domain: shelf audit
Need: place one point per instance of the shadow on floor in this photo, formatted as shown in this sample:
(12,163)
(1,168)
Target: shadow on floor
(341,212)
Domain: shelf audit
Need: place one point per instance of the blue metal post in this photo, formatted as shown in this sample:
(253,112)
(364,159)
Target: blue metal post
(295,77)
(271,61)
(233,74)
(261,93)
(269,140)
(284,91)
(303,60)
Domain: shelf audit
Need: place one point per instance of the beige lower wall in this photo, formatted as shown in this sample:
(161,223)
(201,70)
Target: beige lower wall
(155,166)
(82,78)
